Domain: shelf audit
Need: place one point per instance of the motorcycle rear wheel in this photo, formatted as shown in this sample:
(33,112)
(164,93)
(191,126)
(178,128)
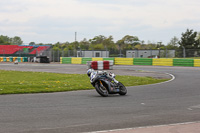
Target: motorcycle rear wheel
(101,89)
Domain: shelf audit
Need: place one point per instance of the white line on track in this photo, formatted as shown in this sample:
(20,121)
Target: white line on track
(173,78)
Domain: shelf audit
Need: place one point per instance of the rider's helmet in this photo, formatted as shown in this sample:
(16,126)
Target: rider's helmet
(89,71)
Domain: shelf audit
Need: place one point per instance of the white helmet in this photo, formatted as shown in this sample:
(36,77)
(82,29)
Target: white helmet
(89,71)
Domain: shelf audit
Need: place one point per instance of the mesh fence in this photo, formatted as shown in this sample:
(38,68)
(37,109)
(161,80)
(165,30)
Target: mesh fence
(54,55)
(186,53)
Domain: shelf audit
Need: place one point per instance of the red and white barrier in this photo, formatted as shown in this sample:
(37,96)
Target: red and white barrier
(100,65)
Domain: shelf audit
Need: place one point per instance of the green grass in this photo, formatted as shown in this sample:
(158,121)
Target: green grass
(17,82)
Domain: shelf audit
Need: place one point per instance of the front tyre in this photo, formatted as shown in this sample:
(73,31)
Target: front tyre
(122,89)
(101,89)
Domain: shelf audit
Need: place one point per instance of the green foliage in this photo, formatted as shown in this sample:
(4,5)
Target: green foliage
(84,44)
(188,40)
(97,47)
(173,44)
(101,42)
(97,39)
(197,39)
(5,40)
(16,40)
(15,82)
(32,43)
(130,39)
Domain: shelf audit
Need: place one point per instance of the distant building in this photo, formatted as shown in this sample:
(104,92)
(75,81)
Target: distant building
(93,53)
(150,53)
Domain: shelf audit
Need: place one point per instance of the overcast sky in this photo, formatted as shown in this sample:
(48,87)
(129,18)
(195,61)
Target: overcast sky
(51,21)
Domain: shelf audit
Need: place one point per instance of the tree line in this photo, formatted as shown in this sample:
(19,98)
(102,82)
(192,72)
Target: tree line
(5,40)
(190,39)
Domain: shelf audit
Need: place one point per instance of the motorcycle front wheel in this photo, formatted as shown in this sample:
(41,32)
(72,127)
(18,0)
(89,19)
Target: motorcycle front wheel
(101,89)
(122,89)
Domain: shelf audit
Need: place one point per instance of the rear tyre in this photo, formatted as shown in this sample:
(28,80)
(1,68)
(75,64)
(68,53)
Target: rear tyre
(101,89)
(122,89)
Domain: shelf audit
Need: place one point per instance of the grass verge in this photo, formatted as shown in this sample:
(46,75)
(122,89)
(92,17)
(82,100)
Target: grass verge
(18,82)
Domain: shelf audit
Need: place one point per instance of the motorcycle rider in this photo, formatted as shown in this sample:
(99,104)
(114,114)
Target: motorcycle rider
(93,74)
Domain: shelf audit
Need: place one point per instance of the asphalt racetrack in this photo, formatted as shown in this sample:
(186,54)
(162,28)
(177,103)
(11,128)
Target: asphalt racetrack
(177,101)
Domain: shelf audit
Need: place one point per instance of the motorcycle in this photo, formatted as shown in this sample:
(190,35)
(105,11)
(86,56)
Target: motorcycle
(105,85)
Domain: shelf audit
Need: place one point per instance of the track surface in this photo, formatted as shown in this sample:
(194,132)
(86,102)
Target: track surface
(84,111)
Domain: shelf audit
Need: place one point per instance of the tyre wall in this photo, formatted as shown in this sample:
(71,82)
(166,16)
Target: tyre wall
(12,59)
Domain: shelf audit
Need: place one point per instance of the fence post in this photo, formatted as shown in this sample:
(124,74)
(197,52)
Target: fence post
(53,55)
(183,51)
(58,55)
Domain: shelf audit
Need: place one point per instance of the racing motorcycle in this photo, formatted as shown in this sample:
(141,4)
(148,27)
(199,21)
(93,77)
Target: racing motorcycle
(105,85)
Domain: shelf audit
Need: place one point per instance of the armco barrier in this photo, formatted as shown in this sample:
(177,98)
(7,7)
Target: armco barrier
(134,61)
(162,62)
(61,60)
(142,61)
(123,61)
(84,60)
(183,62)
(108,59)
(97,59)
(196,62)
(66,60)
(76,60)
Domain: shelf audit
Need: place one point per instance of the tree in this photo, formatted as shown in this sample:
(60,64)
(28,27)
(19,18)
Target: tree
(1,41)
(97,39)
(173,44)
(57,46)
(188,40)
(120,44)
(197,38)
(75,45)
(16,40)
(151,45)
(5,40)
(84,44)
(108,43)
(128,42)
(138,46)
(98,47)
(32,43)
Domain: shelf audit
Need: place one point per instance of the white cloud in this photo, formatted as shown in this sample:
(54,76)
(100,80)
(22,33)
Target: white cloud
(52,21)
